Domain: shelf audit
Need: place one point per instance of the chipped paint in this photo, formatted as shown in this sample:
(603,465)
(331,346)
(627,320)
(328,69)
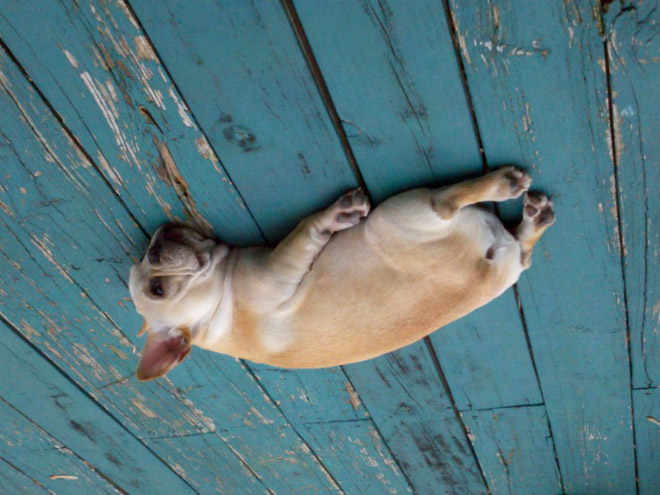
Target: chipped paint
(44,245)
(72,60)
(143,409)
(110,171)
(144,49)
(353,396)
(207,153)
(182,109)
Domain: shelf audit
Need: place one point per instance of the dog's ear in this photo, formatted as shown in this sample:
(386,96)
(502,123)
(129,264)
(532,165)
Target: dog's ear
(162,352)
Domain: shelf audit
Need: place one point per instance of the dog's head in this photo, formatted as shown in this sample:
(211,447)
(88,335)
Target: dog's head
(174,287)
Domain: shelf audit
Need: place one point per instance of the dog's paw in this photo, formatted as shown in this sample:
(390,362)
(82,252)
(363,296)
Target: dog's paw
(511,182)
(348,210)
(539,209)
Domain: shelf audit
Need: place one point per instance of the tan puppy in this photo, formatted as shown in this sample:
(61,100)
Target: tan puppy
(337,290)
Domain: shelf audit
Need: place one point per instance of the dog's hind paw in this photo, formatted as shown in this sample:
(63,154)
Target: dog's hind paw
(538,209)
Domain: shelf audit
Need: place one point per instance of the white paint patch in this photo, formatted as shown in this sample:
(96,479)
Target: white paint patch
(144,49)
(72,60)
(111,172)
(182,108)
(143,409)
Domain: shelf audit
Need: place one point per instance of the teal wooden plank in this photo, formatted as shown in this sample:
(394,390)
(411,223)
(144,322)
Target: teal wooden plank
(540,97)
(61,264)
(14,481)
(97,69)
(647,439)
(44,459)
(515,450)
(225,472)
(257,102)
(403,393)
(369,467)
(57,420)
(634,49)
(393,76)
(485,358)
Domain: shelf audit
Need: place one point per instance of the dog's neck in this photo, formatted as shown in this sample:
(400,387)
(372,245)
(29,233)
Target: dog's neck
(218,323)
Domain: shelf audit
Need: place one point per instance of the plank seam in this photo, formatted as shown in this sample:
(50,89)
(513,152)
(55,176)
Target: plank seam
(66,130)
(317,75)
(326,471)
(79,457)
(445,385)
(617,205)
(453,29)
(503,408)
(137,20)
(41,354)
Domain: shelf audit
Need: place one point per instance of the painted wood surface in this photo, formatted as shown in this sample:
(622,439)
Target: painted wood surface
(540,96)
(50,427)
(634,56)
(240,70)
(647,435)
(515,448)
(114,120)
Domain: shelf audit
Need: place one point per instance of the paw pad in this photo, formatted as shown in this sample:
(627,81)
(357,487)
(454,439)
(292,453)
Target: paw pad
(539,209)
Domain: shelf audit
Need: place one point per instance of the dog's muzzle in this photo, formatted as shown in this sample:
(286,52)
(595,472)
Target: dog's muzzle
(176,248)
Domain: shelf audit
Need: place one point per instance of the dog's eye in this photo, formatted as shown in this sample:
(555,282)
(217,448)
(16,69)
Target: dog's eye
(156,287)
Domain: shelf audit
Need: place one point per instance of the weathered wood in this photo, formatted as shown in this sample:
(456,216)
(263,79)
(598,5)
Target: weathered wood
(47,264)
(394,79)
(485,358)
(540,97)
(634,65)
(514,447)
(241,72)
(43,459)
(43,412)
(100,73)
(647,438)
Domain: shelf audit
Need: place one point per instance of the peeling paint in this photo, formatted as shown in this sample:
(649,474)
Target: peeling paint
(144,49)
(72,60)
(182,109)
(43,245)
(143,409)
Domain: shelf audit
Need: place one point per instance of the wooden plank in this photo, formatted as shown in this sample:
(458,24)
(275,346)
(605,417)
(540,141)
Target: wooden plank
(46,419)
(634,73)
(97,69)
(647,438)
(49,190)
(485,358)
(540,97)
(43,459)
(515,449)
(15,482)
(393,76)
(256,101)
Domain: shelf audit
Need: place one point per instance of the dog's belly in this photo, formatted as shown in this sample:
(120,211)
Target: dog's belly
(373,289)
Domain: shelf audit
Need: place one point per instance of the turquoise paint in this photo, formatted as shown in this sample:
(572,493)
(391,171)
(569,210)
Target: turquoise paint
(647,436)
(101,76)
(240,70)
(540,97)
(42,409)
(394,78)
(633,55)
(512,446)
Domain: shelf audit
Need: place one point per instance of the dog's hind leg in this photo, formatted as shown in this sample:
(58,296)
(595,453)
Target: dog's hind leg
(500,185)
(293,257)
(538,215)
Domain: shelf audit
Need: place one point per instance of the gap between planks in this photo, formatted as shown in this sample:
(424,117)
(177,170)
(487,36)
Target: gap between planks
(622,250)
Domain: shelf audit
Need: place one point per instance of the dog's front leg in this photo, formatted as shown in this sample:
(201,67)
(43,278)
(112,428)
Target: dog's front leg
(292,257)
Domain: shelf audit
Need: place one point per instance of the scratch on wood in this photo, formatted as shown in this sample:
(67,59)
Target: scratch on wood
(43,246)
(653,420)
(170,173)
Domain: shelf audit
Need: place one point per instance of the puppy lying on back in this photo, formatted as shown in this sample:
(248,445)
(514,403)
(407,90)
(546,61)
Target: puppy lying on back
(337,290)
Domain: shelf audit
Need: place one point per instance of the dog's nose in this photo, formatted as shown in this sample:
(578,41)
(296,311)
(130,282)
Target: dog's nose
(153,255)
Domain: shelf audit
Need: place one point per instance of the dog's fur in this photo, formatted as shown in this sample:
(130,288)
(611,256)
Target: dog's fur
(338,289)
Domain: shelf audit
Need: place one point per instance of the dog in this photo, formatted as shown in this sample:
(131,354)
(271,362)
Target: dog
(345,286)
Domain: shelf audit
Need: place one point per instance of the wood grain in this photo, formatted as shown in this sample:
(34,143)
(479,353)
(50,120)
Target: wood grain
(540,96)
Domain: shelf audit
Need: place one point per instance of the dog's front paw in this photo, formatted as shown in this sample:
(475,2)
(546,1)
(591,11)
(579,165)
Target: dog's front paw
(511,182)
(348,210)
